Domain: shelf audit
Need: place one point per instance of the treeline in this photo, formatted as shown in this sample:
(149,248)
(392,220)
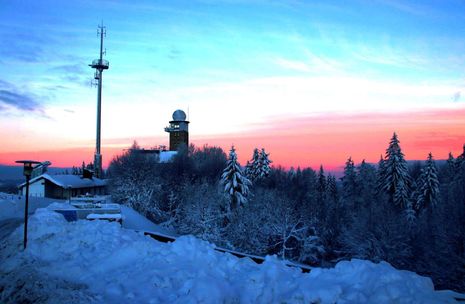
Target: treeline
(410,216)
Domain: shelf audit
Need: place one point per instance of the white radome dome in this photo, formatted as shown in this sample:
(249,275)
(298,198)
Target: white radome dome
(179,115)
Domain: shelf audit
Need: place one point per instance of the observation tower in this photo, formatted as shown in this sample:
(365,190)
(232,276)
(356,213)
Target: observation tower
(179,130)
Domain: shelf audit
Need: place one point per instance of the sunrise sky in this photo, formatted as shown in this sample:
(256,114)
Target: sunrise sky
(313,82)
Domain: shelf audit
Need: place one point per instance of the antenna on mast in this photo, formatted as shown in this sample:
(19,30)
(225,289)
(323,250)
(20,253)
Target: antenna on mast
(99,65)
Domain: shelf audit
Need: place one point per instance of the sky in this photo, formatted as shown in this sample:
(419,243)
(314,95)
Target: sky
(313,82)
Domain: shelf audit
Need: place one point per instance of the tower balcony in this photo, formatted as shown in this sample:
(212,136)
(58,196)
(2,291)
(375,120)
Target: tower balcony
(172,129)
(177,126)
(100,64)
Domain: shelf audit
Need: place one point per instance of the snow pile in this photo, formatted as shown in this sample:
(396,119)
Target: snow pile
(98,261)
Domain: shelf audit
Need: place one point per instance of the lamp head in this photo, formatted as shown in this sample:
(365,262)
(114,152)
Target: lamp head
(28,168)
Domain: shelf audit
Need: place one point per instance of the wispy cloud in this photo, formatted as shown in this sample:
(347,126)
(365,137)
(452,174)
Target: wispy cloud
(310,63)
(12,98)
(410,8)
(292,65)
(77,68)
(19,101)
(456,97)
(388,56)
(24,45)
(174,53)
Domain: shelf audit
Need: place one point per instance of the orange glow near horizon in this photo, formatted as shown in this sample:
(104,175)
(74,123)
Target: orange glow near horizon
(307,141)
(329,140)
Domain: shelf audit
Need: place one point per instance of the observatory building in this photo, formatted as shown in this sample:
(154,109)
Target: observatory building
(179,135)
(179,130)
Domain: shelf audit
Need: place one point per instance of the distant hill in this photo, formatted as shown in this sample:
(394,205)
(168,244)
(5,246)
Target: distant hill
(12,176)
(16,172)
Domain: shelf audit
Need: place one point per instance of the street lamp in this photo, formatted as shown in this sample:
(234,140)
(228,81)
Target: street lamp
(27,171)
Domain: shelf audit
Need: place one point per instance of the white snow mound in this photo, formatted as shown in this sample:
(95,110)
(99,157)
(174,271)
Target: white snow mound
(100,262)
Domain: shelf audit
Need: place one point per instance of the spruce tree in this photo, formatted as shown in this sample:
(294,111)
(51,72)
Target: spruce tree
(236,185)
(460,159)
(428,185)
(366,184)
(451,164)
(253,166)
(380,174)
(321,206)
(331,187)
(248,170)
(264,164)
(349,185)
(450,168)
(321,182)
(396,179)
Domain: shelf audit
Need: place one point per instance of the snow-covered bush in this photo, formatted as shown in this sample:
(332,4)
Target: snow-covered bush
(133,181)
(202,213)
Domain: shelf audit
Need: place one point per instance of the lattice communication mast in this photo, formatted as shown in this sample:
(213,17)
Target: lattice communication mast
(99,65)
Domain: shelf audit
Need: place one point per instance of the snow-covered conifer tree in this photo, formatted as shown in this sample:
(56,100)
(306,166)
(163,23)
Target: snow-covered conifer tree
(380,175)
(366,184)
(248,170)
(428,185)
(410,214)
(450,169)
(451,161)
(321,194)
(460,159)
(264,164)
(332,188)
(349,185)
(252,169)
(236,184)
(259,166)
(396,181)
(321,183)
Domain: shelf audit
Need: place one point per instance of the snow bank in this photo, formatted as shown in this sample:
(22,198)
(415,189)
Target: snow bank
(98,261)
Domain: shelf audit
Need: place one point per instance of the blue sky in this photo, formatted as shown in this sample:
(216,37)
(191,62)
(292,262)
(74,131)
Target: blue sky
(234,64)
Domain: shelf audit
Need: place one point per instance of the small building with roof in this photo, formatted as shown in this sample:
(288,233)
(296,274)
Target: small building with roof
(64,186)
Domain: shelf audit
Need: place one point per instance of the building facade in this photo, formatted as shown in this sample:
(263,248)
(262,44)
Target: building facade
(64,186)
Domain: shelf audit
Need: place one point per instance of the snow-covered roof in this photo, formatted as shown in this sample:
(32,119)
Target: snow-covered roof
(69,181)
(163,156)
(166,156)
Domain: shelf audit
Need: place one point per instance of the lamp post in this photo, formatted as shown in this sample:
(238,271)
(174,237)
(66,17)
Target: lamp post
(27,171)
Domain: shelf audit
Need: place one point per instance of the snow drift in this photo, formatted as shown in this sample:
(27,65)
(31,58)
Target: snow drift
(100,262)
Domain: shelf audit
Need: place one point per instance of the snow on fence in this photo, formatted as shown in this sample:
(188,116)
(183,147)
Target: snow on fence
(257,259)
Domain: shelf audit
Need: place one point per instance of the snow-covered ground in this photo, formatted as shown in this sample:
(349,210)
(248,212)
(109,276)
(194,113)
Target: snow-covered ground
(101,262)
(12,206)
